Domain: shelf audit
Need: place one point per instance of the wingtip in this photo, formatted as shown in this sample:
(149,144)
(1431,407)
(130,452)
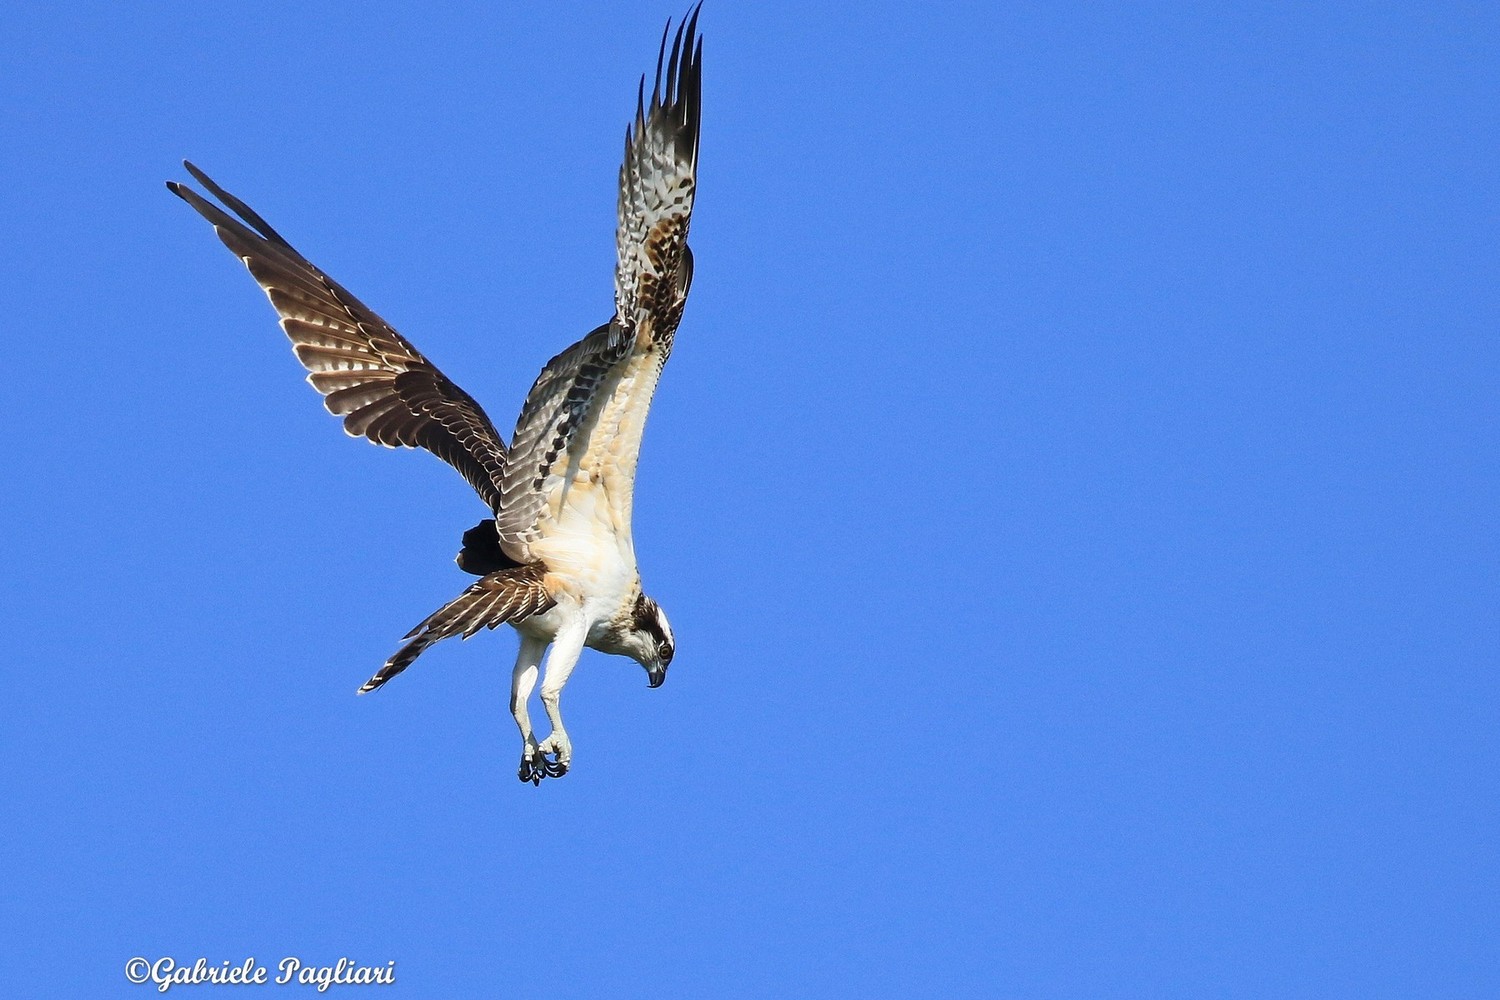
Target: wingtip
(691,23)
(661,55)
(374,683)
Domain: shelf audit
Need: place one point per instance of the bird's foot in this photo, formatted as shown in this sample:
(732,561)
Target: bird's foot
(533,764)
(561,748)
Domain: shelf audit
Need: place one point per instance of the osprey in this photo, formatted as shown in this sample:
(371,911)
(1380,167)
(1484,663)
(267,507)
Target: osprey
(556,561)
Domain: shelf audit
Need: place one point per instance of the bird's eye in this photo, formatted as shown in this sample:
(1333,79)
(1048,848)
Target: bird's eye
(665,653)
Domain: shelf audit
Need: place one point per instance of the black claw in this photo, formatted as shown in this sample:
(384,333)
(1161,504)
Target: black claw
(550,767)
(539,766)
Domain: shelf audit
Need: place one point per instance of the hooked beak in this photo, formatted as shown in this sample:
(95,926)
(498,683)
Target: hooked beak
(656,675)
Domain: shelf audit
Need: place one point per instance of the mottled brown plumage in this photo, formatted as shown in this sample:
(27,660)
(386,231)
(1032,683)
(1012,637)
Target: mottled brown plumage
(557,560)
(368,373)
(510,595)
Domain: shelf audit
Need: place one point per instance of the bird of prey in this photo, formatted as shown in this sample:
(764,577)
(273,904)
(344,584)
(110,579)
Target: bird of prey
(556,561)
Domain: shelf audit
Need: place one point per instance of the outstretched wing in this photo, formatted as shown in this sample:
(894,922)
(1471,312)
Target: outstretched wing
(511,595)
(368,373)
(658,179)
(579,433)
(556,408)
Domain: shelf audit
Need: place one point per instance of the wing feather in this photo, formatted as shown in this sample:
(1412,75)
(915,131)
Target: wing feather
(510,595)
(555,410)
(652,275)
(368,373)
(658,181)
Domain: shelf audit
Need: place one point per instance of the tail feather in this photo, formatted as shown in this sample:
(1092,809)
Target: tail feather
(510,595)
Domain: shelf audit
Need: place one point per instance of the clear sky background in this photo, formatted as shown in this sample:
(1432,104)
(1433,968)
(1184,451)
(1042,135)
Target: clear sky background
(1074,492)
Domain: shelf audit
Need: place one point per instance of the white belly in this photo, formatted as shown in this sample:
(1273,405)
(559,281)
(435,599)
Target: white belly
(590,571)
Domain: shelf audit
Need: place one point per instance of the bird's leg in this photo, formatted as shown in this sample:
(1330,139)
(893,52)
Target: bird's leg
(522,680)
(566,648)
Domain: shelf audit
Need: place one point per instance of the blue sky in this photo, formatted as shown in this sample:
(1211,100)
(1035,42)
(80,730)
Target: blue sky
(1073,491)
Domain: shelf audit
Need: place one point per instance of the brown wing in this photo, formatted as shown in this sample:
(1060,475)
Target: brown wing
(652,274)
(511,595)
(658,181)
(368,373)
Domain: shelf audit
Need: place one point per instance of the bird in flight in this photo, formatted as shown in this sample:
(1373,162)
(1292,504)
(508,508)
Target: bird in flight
(556,561)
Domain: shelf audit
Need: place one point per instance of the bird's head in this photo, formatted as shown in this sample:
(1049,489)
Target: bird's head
(648,639)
